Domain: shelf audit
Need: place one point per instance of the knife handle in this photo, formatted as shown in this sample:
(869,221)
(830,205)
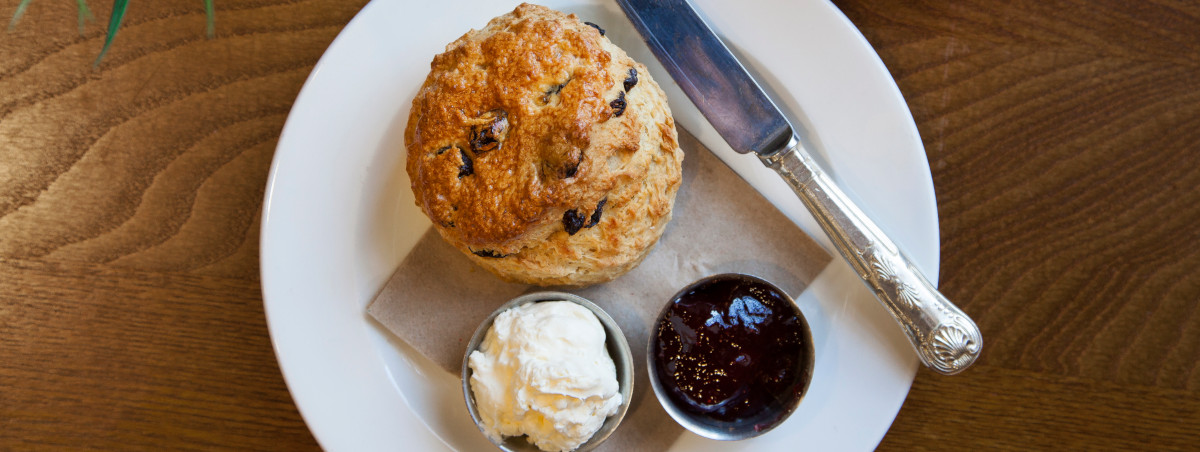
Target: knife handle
(944,337)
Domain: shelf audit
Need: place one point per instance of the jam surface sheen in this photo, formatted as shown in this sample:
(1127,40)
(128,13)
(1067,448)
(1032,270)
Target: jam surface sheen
(732,348)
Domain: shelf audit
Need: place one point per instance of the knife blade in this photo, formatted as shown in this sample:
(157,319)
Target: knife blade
(944,338)
(710,75)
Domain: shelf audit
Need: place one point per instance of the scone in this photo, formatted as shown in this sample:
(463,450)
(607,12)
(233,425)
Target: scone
(542,151)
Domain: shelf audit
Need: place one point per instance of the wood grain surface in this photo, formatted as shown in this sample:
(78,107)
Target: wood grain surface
(1063,138)
(1064,141)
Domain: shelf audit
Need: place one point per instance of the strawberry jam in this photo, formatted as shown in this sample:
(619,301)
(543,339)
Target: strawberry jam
(733,348)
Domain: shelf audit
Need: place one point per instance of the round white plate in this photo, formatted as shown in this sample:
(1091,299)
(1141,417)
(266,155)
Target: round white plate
(339,217)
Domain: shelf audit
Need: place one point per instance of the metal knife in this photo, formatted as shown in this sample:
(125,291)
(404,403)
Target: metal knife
(943,336)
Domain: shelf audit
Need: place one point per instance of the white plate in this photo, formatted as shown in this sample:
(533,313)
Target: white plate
(339,217)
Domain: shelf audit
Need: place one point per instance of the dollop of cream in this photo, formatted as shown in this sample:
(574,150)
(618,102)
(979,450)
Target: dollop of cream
(543,371)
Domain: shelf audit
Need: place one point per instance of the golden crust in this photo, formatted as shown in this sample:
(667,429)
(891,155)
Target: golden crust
(518,137)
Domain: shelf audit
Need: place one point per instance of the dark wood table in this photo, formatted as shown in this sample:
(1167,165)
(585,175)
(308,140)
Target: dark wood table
(1064,140)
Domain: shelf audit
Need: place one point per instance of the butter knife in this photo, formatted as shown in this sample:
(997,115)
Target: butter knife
(945,339)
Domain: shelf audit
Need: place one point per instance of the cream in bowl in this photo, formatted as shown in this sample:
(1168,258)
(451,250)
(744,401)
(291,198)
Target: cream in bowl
(547,371)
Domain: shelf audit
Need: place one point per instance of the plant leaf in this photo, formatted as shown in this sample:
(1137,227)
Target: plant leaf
(85,14)
(211,29)
(114,23)
(20,12)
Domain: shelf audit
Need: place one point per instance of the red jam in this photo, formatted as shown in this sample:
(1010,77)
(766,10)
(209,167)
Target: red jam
(733,348)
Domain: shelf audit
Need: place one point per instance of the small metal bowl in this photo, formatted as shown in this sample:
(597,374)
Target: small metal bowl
(723,430)
(618,349)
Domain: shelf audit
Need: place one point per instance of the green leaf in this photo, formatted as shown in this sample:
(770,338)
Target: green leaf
(114,23)
(208,11)
(20,12)
(85,14)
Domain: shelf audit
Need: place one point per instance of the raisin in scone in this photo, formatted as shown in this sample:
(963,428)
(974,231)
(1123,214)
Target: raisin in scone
(542,151)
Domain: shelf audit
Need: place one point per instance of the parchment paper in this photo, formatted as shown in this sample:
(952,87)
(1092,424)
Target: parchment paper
(437,298)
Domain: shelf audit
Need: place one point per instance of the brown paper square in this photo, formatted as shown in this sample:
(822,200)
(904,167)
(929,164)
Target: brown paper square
(437,298)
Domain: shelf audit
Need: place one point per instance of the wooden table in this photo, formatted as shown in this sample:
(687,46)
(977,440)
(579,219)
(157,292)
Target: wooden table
(1064,140)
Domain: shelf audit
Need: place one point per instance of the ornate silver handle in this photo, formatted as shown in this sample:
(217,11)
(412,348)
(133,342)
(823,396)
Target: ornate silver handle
(944,337)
